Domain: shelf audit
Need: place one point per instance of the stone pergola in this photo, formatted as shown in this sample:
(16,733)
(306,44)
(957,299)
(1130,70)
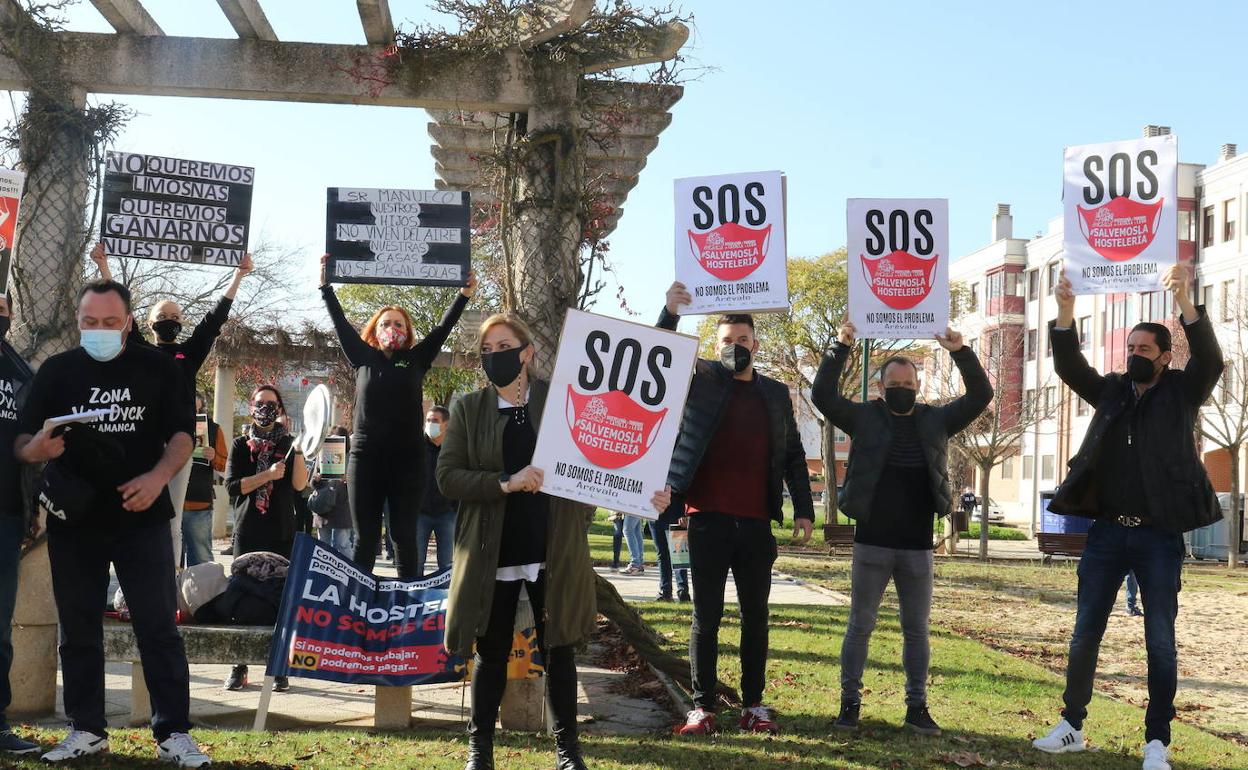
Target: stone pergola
(469,97)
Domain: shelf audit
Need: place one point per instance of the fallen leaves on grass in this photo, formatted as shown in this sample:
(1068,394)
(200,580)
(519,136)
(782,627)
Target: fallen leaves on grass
(965,759)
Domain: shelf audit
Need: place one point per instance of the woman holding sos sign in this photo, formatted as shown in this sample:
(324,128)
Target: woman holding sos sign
(513,540)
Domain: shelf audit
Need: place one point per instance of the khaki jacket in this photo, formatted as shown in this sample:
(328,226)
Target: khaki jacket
(468,471)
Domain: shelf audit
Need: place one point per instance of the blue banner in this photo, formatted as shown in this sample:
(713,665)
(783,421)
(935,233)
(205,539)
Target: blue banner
(342,624)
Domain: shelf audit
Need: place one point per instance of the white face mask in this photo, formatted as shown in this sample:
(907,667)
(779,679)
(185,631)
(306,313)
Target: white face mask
(433,429)
(101,344)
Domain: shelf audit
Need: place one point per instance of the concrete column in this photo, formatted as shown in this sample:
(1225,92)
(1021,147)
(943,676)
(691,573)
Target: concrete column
(223,413)
(392,708)
(33,674)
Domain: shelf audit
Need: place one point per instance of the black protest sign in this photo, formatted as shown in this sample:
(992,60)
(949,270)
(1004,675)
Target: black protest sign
(176,210)
(410,237)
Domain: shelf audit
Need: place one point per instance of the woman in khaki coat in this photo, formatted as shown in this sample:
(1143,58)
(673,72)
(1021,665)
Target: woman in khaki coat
(511,539)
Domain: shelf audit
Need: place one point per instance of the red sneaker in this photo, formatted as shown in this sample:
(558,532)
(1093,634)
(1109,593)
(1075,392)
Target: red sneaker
(759,719)
(697,722)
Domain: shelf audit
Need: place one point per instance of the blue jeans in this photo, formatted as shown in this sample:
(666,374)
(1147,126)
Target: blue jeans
(11,530)
(337,538)
(197,536)
(658,530)
(442,527)
(636,544)
(617,539)
(1133,590)
(1156,557)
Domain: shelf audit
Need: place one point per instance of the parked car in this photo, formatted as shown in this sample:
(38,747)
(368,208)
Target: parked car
(995,514)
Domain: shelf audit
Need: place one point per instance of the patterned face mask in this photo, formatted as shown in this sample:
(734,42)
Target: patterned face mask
(391,338)
(264,413)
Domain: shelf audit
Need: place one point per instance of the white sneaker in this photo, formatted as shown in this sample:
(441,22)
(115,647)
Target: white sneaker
(181,749)
(79,743)
(1063,739)
(1156,756)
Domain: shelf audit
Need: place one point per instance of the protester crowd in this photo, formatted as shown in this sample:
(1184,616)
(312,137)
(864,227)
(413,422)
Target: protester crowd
(464,476)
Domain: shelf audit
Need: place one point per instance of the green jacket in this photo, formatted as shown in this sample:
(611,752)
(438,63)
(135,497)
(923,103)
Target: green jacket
(468,471)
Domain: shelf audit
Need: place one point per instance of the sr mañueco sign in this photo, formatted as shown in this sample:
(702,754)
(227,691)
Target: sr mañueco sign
(613,413)
(176,210)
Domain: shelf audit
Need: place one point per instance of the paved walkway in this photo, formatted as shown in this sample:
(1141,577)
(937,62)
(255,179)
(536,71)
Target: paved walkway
(784,589)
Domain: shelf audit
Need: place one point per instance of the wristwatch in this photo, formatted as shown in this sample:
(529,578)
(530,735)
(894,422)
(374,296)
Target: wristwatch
(503,478)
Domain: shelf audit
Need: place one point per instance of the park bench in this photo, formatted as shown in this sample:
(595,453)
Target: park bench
(838,536)
(392,706)
(1061,544)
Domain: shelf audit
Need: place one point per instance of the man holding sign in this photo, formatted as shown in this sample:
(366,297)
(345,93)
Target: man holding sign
(1140,475)
(738,445)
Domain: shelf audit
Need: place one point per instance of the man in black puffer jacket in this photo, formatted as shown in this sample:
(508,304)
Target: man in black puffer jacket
(895,484)
(1139,474)
(738,445)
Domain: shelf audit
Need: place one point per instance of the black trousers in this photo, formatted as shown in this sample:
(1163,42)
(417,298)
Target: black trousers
(373,480)
(719,543)
(143,558)
(489,677)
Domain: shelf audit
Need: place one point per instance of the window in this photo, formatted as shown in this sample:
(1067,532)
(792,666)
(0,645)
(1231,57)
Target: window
(1085,332)
(1013,285)
(973,344)
(840,436)
(1033,284)
(1227,300)
(1055,271)
(1029,406)
(973,300)
(1050,400)
(994,285)
(1206,294)
(1007,468)
(1228,219)
(1187,225)
(1081,408)
(1228,384)
(1156,305)
(1029,464)
(1046,468)
(1031,344)
(1206,228)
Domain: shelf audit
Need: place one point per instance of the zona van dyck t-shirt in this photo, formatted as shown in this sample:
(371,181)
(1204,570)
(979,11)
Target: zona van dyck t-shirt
(149,404)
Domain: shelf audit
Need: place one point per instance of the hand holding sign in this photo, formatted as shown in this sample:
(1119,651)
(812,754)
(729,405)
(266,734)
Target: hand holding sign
(1064,293)
(662,499)
(950,340)
(677,295)
(528,479)
(470,288)
(848,333)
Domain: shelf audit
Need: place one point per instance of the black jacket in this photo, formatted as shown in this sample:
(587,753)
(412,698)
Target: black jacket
(871,427)
(708,394)
(1177,491)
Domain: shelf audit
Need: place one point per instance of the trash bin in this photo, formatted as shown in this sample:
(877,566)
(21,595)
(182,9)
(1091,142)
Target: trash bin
(1214,541)
(1056,522)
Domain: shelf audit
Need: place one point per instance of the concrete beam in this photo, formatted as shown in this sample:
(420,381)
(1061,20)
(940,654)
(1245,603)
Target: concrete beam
(128,17)
(248,19)
(662,44)
(548,19)
(279,71)
(375,17)
(622,95)
(460,137)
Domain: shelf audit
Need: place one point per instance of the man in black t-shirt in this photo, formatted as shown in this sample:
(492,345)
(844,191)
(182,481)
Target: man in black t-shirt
(896,485)
(15,375)
(108,503)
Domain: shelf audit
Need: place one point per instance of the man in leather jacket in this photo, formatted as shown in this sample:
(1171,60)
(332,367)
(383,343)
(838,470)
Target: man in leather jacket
(738,444)
(1139,474)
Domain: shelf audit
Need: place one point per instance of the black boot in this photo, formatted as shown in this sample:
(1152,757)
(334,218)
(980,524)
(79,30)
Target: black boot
(561,698)
(488,682)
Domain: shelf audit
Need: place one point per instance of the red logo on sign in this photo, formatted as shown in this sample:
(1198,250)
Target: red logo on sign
(8,222)
(731,251)
(1122,228)
(611,429)
(900,279)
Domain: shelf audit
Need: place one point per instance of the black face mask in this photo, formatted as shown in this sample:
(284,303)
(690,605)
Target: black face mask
(1141,369)
(502,367)
(5,322)
(735,357)
(167,330)
(900,400)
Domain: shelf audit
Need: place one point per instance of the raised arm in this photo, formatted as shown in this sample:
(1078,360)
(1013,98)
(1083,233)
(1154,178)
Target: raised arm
(1068,360)
(1204,363)
(669,316)
(963,410)
(825,392)
(427,349)
(355,348)
(101,261)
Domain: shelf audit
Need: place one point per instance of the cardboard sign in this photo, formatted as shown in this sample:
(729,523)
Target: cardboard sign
(1120,214)
(11,184)
(410,237)
(201,436)
(610,422)
(731,252)
(341,624)
(334,457)
(898,267)
(176,210)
